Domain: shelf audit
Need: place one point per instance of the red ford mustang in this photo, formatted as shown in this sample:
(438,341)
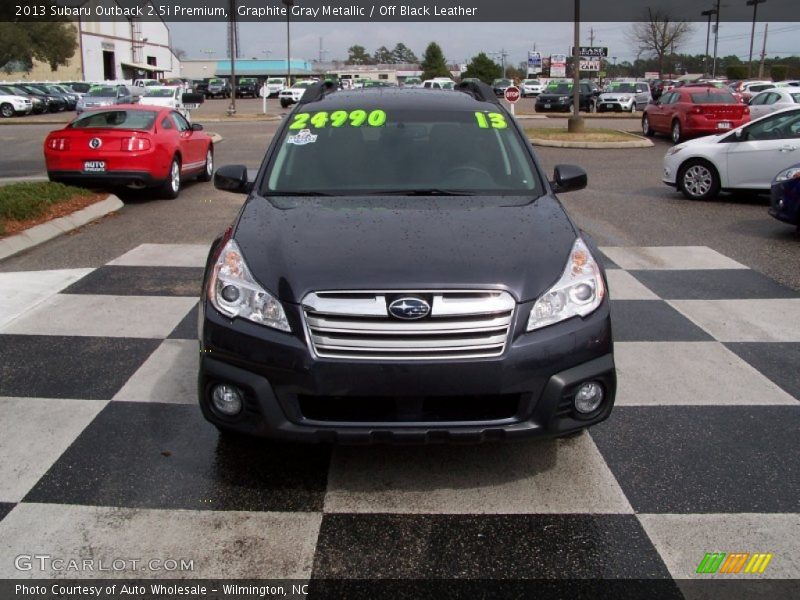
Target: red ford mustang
(131,146)
(694,110)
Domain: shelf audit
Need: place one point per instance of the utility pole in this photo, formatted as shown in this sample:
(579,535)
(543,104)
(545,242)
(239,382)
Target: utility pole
(591,36)
(322,52)
(707,13)
(288,4)
(754,4)
(575,123)
(716,39)
(763,52)
(233,44)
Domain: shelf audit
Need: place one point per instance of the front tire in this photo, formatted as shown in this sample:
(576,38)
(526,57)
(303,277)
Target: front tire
(646,129)
(698,180)
(172,185)
(7,111)
(208,171)
(677,132)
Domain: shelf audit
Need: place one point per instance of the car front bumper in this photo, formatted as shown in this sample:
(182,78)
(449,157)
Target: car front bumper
(291,394)
(785,202)
(614,105)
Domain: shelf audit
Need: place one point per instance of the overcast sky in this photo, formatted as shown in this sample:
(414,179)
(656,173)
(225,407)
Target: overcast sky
(461,41)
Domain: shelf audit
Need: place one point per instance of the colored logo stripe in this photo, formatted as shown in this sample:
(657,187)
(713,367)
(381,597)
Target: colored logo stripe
(733,563)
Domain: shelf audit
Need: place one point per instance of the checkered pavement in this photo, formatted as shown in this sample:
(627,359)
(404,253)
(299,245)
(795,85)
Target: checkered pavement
(105,453)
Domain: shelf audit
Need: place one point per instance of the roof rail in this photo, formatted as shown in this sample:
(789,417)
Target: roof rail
(317,91)
(478,90)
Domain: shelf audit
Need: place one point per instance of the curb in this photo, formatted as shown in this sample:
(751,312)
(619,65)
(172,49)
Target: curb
(599,116)
(23,179)
(51,229)
(639,142)
(524,116)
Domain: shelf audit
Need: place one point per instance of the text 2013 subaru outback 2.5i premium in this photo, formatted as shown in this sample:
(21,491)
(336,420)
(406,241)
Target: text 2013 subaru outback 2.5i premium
(402,272)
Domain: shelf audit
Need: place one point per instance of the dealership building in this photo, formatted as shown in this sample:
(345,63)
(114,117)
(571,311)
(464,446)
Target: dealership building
(113,49)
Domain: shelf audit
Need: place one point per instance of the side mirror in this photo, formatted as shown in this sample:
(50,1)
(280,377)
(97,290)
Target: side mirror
(233,178)
(740,135)
(568,178)
(197,127)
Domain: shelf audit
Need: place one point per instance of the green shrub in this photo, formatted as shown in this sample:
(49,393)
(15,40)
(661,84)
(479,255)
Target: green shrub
(21,201)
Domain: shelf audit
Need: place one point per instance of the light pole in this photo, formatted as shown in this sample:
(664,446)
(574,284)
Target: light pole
(754,4)
(575,123)
(707,13)
(234,43)
(289,4)
(716,39)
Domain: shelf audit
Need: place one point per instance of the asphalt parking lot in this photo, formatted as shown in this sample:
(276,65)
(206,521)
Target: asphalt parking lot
(108,454)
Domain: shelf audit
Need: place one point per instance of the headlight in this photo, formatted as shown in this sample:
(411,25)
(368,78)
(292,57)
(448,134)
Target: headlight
(578,293)
(790,173)
(234,292)
(675,150)
(625,98)
(564,98)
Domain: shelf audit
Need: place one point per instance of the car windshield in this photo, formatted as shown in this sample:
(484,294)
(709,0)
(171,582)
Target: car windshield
(560,88)
(405,152)
(503,82)
(795,97)
(531,82)
(159,93)
(274,81)
(302,84)
(413,80)
(216,82)
(714,96)
(102,92)
(622,88)
(116,119)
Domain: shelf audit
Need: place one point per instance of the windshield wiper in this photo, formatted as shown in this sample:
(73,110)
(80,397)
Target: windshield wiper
(298,193)
(424,192)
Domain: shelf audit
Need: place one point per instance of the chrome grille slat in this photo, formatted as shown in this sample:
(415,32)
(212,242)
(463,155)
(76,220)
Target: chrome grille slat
(357,325)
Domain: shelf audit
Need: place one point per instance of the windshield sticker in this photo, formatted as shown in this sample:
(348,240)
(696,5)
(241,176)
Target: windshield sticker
(339,118)
(491,119)
(302,138)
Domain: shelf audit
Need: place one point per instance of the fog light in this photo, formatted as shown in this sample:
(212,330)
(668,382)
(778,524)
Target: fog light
(588,397)
(227,399)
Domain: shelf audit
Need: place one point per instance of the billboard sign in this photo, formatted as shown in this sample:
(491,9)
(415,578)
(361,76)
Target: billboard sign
(590,64)
(558,65)
(534,63)
(592,51)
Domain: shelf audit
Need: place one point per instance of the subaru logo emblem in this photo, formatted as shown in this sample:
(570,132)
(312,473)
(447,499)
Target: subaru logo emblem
(95,143)
(409,308)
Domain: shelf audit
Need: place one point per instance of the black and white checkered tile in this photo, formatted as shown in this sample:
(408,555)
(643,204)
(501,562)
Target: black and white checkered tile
(105,452)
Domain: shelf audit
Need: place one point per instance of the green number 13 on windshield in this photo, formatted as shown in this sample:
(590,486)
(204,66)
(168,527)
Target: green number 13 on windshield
(495,120)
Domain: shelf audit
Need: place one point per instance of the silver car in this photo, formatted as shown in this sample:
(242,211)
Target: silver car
(773,99)
(621,96)
(104,95)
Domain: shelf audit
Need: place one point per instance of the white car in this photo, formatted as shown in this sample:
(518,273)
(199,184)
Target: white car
(293,94)
(11,105)
(773,99)
(746,158)
(275,85)
(170,96)
(438,83)
(531,87)
(624,96)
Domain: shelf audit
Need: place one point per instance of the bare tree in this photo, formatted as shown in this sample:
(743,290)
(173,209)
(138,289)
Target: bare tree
(658,35)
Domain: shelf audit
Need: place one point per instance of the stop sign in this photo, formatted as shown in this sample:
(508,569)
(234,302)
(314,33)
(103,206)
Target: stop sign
(512,94)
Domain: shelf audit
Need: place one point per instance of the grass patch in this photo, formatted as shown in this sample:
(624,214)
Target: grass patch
(29,201)
(595,134)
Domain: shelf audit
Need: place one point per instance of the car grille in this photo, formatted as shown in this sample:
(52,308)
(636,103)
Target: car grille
(357,325)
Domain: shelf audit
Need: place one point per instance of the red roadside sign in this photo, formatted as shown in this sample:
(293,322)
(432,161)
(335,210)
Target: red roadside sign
(512,94)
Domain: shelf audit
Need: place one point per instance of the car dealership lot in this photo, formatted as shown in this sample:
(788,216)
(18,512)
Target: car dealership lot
(693,459)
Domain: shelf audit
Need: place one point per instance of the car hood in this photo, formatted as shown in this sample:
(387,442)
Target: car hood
(158,101)
(294,246)
(607,95)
